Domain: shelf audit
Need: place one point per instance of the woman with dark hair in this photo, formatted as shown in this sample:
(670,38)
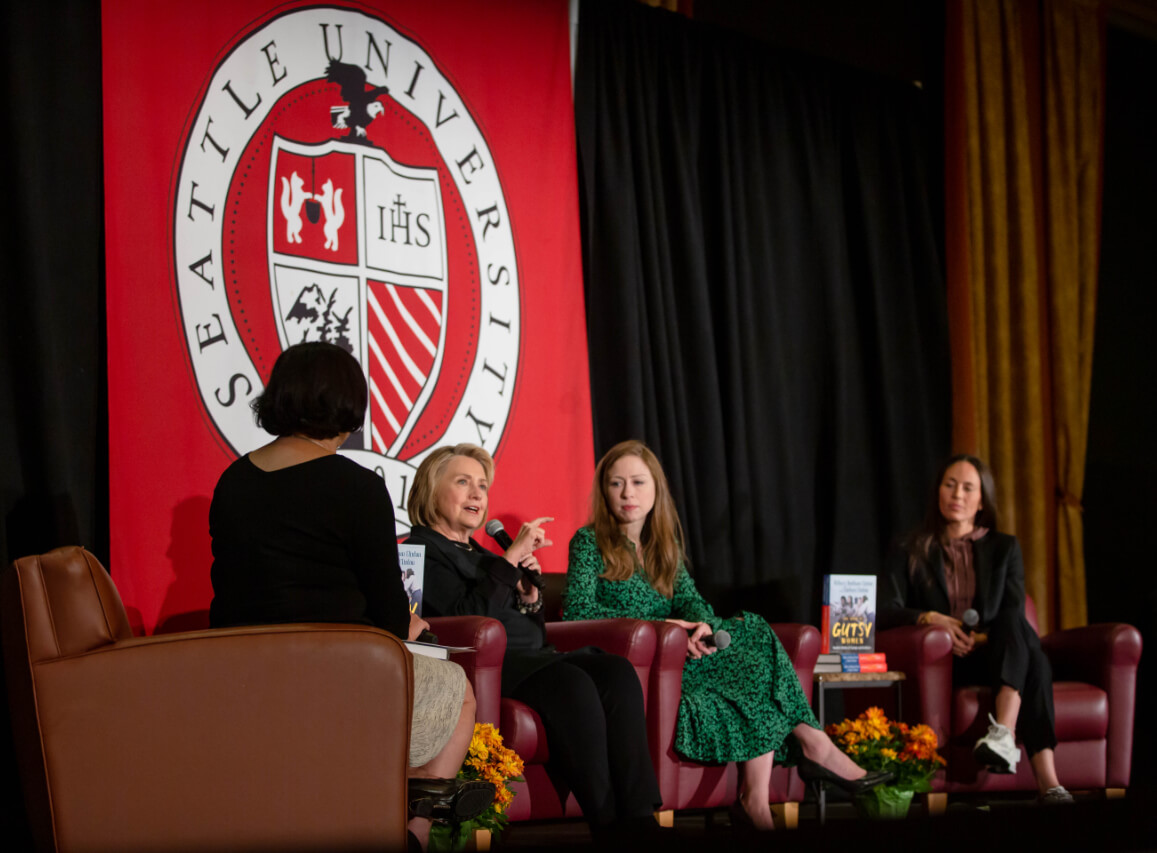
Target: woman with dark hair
(743,703)
(956,561)
(590,703)
(301,534)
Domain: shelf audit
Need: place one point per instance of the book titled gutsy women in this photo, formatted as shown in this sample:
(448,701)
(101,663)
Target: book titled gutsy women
(849,614)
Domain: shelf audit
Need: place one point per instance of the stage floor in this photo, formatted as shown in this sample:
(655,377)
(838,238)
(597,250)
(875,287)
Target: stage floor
(971,825)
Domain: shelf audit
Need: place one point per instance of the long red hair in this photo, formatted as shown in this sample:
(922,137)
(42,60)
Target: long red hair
(662,537)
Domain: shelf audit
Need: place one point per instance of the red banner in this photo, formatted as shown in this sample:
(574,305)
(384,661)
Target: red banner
(397,177)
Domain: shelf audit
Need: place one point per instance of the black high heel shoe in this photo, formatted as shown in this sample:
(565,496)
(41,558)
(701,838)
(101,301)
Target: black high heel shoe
(815,774)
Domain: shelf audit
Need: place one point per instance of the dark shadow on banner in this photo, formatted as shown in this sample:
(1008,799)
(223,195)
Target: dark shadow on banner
(186,605)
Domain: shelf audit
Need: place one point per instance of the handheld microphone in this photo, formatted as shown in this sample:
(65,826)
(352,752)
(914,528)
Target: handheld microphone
(971,619)
(719,640)
(498,533)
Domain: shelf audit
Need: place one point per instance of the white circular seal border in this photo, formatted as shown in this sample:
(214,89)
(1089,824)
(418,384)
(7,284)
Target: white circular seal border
(283,53)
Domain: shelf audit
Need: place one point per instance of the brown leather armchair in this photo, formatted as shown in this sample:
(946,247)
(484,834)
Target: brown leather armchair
(286,737)
(1094,695)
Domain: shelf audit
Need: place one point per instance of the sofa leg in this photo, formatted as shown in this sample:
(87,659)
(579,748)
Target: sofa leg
(936,803)
(666,818)
(1114,793)
(786,815)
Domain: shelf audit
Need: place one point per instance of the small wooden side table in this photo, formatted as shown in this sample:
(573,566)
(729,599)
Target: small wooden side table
(826,681)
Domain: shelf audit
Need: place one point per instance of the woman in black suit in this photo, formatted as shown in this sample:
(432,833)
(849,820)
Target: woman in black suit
(957,561)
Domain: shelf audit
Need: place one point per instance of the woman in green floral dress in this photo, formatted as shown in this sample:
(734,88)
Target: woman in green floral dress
(743,703)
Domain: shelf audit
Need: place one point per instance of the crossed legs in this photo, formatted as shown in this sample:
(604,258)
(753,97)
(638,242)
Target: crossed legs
(756,783)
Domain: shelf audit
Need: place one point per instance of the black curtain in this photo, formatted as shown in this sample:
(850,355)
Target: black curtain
(54,488)
(1121,468)
(765,301)
(53,409)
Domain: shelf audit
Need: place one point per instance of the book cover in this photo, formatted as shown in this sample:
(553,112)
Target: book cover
(412,562)
(849,614)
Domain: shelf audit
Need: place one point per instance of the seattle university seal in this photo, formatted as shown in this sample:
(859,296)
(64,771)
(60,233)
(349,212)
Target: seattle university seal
(332,185)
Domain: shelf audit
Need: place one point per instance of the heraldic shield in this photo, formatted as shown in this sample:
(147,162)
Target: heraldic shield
(357,254)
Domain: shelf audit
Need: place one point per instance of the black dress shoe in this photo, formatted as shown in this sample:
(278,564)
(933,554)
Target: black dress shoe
(815,774)
(449,799)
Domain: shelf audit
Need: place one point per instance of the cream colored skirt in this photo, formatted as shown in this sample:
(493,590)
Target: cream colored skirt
(439,688)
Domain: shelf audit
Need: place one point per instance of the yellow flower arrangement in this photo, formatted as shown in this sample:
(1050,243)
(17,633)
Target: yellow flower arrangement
(876,743)
(487,759)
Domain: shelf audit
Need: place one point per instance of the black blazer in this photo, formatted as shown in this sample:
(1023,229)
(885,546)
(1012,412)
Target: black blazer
(479,583)
(999,569)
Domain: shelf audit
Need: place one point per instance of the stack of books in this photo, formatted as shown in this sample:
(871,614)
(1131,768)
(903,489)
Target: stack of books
(852,662)
(864,662)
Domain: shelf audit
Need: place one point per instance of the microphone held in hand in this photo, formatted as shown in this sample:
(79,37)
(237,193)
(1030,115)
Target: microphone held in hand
(496,532)
(971,619)
(719,640)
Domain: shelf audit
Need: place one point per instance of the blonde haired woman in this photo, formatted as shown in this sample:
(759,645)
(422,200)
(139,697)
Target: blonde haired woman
(743,703)
(590,703)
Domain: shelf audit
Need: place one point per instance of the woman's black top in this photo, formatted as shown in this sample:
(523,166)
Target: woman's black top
(314,542)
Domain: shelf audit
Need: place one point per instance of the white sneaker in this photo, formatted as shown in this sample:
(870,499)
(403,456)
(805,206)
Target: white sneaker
(997,750)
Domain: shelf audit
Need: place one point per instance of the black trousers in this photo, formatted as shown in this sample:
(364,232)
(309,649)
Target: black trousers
(1013,657)
(591,706)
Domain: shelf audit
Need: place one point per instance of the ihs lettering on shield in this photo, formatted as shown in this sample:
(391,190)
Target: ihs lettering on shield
(400,223)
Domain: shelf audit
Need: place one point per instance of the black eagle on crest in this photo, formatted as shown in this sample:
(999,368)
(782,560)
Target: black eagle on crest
(363,104)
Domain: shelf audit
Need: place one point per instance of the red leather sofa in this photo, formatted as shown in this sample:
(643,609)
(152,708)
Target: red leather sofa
(1094,693)
(537,798)
(688,784)
(657,651)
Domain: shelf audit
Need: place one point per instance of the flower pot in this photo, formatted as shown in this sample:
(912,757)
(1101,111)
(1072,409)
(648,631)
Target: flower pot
(884,802)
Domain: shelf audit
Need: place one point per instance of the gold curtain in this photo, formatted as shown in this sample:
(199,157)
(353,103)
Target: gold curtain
(1074,121)
(1024,137)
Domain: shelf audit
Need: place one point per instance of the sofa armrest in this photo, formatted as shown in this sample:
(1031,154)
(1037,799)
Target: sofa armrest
(276,737)
(633,639)
(924,654)
(483,665)
(1093,652)
(1108,656)
(802,644)
(663,696)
